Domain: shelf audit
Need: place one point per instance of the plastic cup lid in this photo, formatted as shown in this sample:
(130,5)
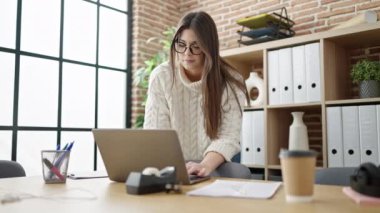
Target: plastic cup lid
(284,153)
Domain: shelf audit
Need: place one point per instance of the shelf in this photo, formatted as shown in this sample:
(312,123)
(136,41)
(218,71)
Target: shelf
(278,123)
(353,101)
(294,106)
(339,50)
(246,108)
(358,39)
(245,63)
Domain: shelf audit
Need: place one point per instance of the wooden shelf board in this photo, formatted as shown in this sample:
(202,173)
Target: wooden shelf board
(246,108)
(353,101)
(314,104)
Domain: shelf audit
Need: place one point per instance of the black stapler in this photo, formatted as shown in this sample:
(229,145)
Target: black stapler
(151,180)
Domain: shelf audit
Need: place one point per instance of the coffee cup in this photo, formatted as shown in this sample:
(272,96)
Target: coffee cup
(298,172)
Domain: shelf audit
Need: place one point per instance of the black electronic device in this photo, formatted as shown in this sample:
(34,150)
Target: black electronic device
(366,180)
(151,180)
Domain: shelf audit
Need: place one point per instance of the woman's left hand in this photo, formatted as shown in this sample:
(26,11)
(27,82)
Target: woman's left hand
(198,169)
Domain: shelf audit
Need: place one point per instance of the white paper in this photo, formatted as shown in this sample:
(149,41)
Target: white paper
(239,189)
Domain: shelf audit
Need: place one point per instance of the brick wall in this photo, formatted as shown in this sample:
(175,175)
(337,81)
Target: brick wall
(310,16)
(150,19)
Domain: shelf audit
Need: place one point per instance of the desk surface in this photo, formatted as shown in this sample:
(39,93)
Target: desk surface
(112,197)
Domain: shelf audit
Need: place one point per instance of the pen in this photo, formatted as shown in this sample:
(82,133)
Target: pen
(64,148)
(70,146)
(53,169)
(60,159)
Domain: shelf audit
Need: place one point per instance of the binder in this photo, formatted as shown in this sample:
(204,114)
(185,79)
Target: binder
(273,78)
(258,138)
(334,137)
(313,72)
(246,139)
(368,134)
(299,74)
(286,75)
(351,139)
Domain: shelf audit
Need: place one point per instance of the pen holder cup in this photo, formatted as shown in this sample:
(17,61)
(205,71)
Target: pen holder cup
(54,165)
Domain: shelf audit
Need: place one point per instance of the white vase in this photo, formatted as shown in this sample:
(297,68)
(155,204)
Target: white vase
(298,139)
(255,81)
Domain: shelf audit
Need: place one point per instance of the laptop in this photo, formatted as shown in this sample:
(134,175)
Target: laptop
(131,150)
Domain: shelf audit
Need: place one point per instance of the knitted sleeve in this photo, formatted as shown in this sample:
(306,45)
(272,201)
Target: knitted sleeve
(156,108)
(227,144)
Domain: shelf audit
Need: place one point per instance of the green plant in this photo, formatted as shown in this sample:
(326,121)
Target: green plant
(365,70)
(141,77)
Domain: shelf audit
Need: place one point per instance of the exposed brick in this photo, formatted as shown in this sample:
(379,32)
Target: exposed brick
(309,5)
(321,29)
(356,60)
(328,1)
(274,8)
(299,2)
(374,50)
(340,19)
(304,32)
(336,12)
(346,3)
(304,20)
(265,4)
(356,52)
(309,12)
(369,5)
(233,6)
(309,25)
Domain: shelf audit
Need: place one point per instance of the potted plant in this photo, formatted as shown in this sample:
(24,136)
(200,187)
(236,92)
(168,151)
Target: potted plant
(141,77)
(367,74)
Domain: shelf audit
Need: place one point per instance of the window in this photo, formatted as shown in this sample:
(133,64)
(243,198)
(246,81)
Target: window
(65,69)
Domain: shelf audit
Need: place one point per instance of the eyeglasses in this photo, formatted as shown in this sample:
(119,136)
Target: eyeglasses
(181,47)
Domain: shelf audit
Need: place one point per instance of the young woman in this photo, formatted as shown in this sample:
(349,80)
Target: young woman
(199,95)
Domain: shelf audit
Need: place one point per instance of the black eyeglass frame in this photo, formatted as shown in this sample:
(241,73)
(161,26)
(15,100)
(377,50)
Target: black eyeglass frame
(190,47)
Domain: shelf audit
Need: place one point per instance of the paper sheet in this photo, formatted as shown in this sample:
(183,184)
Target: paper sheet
(87,175)
(239,189)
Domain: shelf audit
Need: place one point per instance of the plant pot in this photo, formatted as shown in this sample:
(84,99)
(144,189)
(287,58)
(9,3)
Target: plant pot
(369,89)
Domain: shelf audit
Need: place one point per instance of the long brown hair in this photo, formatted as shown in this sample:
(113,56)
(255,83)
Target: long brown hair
(216,72)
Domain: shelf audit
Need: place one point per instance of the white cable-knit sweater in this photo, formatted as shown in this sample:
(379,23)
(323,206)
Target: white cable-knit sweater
(179,107)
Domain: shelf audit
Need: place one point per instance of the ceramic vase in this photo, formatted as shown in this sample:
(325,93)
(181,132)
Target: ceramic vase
(298,138)
(254,81)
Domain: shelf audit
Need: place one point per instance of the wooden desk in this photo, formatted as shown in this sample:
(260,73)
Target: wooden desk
(112,197)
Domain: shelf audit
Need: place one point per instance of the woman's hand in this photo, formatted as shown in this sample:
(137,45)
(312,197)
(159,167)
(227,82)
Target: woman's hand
(209,163)
(197,169)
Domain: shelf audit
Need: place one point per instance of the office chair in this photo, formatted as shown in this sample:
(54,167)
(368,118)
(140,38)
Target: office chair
(334,176)
(11,169)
